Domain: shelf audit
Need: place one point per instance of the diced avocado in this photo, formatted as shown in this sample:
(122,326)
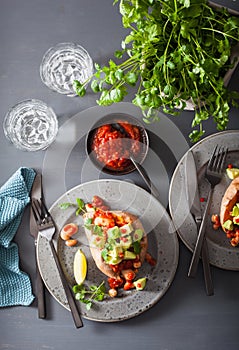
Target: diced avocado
(228,225)
(232,173)
(113,232)
(126,229)
(236,220)
(125,242)
(129,255)
(115,261)
(138,235)
(140,283)
(98,242)
(112,256)
(115,252)
(235,210)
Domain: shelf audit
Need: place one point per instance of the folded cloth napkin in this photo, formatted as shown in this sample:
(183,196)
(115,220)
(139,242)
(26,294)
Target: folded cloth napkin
(15,285)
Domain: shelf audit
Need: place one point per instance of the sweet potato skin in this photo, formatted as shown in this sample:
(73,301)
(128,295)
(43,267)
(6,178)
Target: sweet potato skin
(96,252)
(230,198)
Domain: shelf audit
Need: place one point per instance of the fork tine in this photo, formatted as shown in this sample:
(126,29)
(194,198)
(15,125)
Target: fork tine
(220,160)
(212,159)
(217,160)
(223,159)
(45,210)
(36,210)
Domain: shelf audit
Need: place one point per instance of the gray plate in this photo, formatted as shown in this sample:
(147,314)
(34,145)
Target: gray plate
(221,253)
(163,245)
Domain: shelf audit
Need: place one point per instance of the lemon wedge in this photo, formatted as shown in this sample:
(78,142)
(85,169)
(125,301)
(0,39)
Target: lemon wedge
(232,173)
(80,267)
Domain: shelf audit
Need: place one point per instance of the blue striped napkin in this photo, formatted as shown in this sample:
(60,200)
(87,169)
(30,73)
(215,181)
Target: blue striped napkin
(15,285)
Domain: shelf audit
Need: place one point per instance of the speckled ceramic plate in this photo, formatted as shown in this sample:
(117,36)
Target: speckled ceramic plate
(221,253)
(163,245)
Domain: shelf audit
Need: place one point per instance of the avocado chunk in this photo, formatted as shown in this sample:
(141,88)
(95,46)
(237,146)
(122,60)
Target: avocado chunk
(115,252)
(126,229)
(98,242)
(232,173)
(112,256)
(125,242)
(228,225)
(138,235)
(140,283)
(235,210)
(113,232)
(113,260)
(129,255)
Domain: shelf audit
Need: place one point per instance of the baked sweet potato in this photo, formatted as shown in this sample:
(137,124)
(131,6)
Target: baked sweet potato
(230,198)
(107,220)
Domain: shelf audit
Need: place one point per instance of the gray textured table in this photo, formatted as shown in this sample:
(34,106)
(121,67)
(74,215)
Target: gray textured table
(185,318)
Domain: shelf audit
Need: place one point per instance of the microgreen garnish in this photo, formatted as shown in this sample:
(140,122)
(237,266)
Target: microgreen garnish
(89,295)
(175,51)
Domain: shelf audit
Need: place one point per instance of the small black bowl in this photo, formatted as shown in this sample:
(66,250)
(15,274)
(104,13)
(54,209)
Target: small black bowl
(113,120)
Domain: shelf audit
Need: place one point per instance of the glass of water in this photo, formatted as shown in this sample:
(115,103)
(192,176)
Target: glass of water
(31,125)
(64,63)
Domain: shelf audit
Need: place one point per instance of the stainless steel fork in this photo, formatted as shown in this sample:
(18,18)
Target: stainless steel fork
(213,174)
(47,229)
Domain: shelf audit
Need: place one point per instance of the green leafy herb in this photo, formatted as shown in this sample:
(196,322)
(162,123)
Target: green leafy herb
(65,205)
(97,230)
(88,223)
(89,295)
(79,205)
(137,247)
(175,51)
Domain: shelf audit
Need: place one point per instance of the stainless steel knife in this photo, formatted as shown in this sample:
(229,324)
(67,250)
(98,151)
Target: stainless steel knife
(193,198)
(36,192)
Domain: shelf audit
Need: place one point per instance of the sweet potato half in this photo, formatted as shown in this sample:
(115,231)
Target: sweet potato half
(230,198)
(96,252)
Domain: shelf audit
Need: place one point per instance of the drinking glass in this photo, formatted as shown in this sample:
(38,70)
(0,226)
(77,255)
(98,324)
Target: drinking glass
(64,63)
(31,125)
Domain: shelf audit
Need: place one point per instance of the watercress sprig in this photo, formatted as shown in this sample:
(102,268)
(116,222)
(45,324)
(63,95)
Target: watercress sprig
(79,205)
(89,295)
(175,51)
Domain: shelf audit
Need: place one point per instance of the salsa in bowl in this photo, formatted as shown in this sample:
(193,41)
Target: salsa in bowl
(114,140)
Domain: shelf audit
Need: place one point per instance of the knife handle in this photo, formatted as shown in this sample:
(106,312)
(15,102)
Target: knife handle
(200,239)
(71,300)
(40,295)
(207,269)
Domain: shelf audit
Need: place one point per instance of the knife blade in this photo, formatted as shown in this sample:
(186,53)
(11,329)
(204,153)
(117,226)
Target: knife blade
(193,198)
(36,192)
(142,172)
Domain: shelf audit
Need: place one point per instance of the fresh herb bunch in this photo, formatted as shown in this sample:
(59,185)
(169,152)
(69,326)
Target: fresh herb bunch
(89,295)
(176,50)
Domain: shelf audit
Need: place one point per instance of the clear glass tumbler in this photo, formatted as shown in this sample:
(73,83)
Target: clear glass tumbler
(64,63)
(31,125)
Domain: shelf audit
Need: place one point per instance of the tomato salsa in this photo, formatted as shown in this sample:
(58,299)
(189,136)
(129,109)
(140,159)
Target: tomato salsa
(113,147)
